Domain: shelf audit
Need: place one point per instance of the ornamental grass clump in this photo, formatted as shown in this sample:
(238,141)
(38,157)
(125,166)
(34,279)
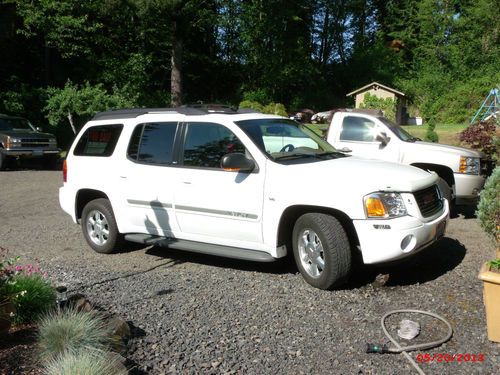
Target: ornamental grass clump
(72,331)
(32,296)
(87,362)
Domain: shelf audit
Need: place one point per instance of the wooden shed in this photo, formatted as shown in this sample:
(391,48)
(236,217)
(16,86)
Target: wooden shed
(383,92)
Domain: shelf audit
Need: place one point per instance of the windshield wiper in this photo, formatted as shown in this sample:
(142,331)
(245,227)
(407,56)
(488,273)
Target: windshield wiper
(295,155)
(333,153)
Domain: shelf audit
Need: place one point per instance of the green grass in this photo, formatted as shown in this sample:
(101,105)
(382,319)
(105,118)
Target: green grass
(34,296)
(72,331)
(88,362)
(448,133)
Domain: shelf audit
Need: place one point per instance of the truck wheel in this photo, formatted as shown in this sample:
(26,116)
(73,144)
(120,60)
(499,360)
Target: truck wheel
(99,226)
(321,250)
(51,162)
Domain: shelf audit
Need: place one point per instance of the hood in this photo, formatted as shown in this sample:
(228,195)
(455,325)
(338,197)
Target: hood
(26,134)
(341,183)
(461,151)
(365,175)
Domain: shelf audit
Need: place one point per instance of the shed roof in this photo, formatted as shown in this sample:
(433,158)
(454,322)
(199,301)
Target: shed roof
(376,84)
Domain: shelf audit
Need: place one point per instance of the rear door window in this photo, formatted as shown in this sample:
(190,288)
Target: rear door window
(98,140)
(153,143)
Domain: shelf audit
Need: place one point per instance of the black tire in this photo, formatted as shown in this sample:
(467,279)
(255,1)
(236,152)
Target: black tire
(51,162)
(3,160)
(335,254)
(99,227)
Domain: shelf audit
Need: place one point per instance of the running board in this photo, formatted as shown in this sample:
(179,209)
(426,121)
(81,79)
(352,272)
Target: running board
(200,247)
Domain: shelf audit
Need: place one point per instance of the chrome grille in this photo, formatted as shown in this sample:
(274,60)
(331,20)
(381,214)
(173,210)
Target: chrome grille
(429,201)
(34,142)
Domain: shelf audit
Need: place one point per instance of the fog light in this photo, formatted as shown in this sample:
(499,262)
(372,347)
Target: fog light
(408,243)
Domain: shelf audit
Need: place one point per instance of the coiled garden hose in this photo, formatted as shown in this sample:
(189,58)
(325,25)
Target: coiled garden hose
(373,348)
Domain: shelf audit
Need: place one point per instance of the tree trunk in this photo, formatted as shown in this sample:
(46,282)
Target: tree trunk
(70,119)
(176,65)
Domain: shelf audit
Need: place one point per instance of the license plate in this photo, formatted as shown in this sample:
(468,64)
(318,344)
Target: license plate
(440,229)
(37,153)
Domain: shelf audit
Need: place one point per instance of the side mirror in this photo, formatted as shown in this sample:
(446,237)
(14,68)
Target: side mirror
(38,129)
(237,162)
(383,138)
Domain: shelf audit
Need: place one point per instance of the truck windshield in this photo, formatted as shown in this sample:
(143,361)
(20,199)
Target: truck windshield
(283,139)
(13,123)
(398,131)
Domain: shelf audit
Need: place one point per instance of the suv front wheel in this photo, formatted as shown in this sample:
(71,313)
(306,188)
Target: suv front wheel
(99,226)
(321,250)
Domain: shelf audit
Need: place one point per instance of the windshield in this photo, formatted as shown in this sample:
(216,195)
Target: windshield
(398,130)
(283,139)
(14,123)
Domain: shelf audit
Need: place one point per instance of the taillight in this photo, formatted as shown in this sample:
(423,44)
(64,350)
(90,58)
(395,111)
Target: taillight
(65,171)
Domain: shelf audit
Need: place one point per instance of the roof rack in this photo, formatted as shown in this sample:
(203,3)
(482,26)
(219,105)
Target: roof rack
(135,112)
(188,110)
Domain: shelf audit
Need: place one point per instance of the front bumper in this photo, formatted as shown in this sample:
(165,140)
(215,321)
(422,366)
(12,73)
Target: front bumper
(387,240)
(468,187)
(30,152)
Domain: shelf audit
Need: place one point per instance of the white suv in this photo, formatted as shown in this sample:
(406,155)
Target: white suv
(244,185)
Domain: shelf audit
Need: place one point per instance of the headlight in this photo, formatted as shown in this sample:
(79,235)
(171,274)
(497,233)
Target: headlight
(469,165)
(13,142)
(384,205)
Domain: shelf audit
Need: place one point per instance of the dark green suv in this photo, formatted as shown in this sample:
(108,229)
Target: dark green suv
(19,139)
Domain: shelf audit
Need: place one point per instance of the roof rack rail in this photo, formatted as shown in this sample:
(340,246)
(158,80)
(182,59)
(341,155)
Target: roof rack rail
(248,110)
(213,107)
(135,112)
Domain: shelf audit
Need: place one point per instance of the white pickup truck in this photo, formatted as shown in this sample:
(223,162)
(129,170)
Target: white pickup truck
(372,136)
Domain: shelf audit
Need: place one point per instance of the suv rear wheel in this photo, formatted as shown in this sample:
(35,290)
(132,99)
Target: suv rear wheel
(99,226)
(321,250)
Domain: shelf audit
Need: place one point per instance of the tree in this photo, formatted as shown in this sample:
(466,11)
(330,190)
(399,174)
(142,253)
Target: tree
(74,102)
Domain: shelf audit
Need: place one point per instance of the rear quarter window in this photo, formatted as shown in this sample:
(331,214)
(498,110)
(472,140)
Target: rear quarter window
(98,140)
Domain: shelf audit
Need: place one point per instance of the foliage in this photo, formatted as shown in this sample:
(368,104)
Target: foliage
(71,331)
(275,109)
(387,105)
(77,104)
(251,105)
(488,209)
(480,136)
(430,134)
(85,362)
(34,296)
(495,264)
(304,54)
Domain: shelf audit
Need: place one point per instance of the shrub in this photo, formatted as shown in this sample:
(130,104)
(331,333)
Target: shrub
(481,136)
(431,135)
(275,109)
(251,105)
(387,106)
(88,362)
(34,296)
(488,209)
(72,331)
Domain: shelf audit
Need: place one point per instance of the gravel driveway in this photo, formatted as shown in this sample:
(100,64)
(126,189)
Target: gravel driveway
(200,314)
